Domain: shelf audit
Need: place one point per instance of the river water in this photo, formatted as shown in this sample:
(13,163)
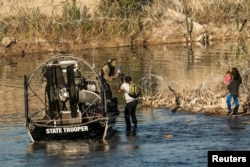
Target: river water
(162,138)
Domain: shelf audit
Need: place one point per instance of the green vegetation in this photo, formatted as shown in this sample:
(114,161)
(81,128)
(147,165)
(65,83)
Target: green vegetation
(121,18)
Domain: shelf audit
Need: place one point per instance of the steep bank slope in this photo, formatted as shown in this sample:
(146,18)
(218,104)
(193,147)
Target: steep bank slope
(161,23)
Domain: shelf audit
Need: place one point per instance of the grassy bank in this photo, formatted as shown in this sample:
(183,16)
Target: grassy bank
(126,19)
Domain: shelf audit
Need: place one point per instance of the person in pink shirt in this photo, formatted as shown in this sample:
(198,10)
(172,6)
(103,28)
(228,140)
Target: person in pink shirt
(228,77)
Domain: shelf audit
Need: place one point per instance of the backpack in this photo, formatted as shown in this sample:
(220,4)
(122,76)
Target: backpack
(134,90)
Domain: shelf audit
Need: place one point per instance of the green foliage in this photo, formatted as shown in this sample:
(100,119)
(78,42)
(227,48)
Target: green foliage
(71,12)
(3,29)
(36,17)
(127,8)
(121,8)
(123,15)
(120,18)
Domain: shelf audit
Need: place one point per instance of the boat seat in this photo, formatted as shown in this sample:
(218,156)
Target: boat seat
(88,97)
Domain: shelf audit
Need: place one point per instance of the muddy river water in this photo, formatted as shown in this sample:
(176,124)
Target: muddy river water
(162,138)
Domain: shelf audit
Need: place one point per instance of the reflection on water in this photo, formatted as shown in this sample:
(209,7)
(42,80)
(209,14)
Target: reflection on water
(191,135)
(172,62)
(70,149)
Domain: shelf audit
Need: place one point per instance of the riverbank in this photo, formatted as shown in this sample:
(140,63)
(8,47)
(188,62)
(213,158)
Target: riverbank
(204,95)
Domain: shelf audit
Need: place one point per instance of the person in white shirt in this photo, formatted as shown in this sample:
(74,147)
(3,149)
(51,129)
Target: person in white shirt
(131,104)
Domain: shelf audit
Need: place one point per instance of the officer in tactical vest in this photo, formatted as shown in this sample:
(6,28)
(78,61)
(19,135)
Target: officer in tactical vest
(109,73)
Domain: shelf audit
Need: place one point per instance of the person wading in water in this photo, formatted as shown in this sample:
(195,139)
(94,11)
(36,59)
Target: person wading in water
(233,88)
(131,104)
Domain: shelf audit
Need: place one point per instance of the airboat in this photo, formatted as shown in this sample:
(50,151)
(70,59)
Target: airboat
(65,100)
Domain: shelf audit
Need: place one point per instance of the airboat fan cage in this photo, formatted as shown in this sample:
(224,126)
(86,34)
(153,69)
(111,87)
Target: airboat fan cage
(83,80)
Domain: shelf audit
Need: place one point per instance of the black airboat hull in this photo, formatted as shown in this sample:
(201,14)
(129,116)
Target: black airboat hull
(95,130)
(65,100)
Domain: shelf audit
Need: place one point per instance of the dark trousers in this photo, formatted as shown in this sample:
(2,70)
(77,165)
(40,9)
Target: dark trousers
(130,110)
(108,91)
